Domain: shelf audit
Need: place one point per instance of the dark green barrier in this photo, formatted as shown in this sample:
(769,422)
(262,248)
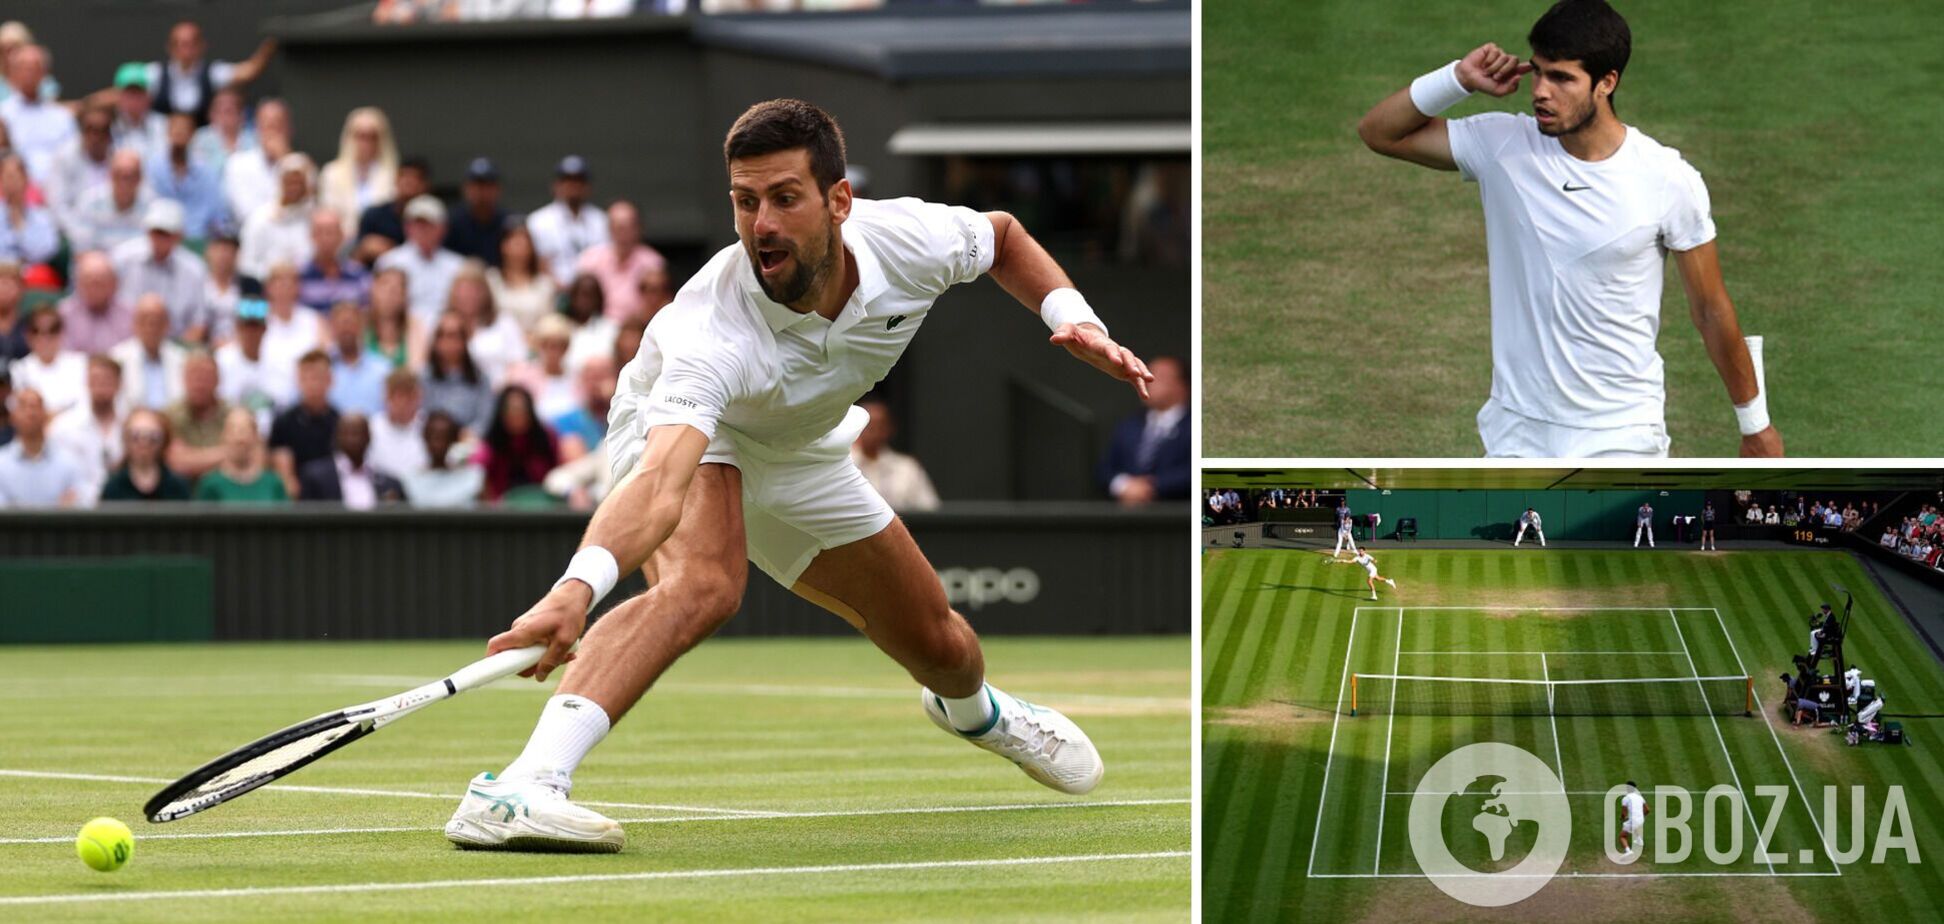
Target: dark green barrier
(1495,514)
(129,598)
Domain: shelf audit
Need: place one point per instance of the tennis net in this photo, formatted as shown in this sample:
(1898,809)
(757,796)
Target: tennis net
(1415,695)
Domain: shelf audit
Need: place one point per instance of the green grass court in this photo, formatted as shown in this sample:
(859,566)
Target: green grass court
(1345,303)
(762,780)
(1305,805)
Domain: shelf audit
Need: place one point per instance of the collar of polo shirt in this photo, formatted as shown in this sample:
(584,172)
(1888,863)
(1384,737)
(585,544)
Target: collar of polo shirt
(870,284)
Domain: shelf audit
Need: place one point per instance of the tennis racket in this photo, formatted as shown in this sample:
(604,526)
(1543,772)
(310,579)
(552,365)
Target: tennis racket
(282,753)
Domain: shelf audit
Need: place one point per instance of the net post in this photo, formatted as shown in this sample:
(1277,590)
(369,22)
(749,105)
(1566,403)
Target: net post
(1353,694)
(1748,705)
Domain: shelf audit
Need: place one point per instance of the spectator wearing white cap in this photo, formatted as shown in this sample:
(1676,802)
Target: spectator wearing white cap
(250,174)
(568,225)
(158,264)
(38,124)
(279,231)
(27,231)
(429,267)
(108,215)
(176,175)
(623,263)
(477,223)
(151,363)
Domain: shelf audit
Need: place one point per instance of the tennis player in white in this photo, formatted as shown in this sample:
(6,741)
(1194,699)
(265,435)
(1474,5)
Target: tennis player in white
(1644,523)
(1634,826)
(1371,577)
(1530,520)
(731,437)
(1581,211)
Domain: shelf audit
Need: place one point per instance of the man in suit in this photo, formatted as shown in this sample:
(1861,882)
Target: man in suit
(1149,457)
(344,476)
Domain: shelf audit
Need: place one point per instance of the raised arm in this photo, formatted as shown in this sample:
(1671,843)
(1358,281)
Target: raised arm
(1028,273)
(252,68)
(632,522)
(1405,124)
(1714,317)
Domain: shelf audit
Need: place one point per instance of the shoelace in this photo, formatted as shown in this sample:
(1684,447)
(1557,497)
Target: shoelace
(1043,740)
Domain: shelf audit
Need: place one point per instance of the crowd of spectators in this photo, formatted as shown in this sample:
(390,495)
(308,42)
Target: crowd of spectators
(192,308)
(1791,510)
(1920,537)
(1223,506)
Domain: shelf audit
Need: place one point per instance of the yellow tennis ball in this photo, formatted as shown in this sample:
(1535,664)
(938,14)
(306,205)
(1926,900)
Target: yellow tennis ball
(105,844)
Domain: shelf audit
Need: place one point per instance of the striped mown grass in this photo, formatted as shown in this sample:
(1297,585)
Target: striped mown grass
(1283,629)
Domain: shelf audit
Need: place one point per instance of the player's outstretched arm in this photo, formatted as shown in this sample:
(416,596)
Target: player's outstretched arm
(1028,273)
(1405,125)
(1714,317)
(633,521)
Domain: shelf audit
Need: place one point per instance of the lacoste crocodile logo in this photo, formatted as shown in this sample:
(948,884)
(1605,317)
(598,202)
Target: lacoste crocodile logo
(894,322)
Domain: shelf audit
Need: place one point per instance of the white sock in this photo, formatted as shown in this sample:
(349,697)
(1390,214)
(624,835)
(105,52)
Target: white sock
(968,713)
(569,727)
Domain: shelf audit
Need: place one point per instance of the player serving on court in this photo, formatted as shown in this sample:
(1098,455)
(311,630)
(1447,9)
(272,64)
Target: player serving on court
(1581,210)
(731,434)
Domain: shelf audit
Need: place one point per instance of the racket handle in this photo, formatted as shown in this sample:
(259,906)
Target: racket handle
(493,667)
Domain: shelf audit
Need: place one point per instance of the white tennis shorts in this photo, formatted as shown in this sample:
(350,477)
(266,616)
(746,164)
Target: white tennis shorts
(795,503)
(1632,825)
(1508,434)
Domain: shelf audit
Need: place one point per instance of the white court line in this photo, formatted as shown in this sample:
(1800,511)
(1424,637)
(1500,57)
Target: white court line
(1377,861)
(1552,715)
(1770,722)
(81,897)
(1568,875)
(356,791)
(1532,792)
(1561,609)
(1761,846)
(666,819)
(1541,653)
(1330,755)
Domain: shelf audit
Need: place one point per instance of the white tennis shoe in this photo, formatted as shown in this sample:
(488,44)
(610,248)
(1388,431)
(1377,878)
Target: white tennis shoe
(521,814)
(1047,745)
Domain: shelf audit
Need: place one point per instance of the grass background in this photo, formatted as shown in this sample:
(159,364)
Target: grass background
(1276,631)
(1345,310)
(791,725)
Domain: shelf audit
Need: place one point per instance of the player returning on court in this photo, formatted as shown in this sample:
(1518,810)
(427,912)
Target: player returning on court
(1633,824)
(731,434)
(1581,210)
(1371,577)
(1530,520)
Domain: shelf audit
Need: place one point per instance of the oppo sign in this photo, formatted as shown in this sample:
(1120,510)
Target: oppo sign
(975,588)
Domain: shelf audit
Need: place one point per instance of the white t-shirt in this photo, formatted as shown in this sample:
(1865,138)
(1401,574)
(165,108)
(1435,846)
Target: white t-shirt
(1636,806)
(286,342)
(185,91)
(561,236)
(724,353)
(1364,559)
(1577,252)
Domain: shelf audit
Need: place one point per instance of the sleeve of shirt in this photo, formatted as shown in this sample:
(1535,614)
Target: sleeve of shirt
(221,73)
(1689,221)
(1476,139)
(698,381)
(937,246)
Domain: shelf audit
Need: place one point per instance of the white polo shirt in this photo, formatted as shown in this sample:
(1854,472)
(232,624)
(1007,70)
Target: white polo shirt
(561,236)
(724,354)
(1577,252)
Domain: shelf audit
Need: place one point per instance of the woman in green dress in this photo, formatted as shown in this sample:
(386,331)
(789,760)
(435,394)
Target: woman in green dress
(142,476)
(241,477)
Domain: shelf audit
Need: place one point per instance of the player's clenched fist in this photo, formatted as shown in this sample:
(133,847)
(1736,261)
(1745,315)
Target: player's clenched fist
(1488,69)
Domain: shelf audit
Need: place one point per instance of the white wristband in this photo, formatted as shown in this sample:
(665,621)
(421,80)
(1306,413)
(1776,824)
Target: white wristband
(1439,90)
(1753,417)
(595,567)
(1068,306)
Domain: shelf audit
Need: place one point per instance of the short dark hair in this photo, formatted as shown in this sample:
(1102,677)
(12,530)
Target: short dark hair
(416,162)
(1587,31)
(785,125)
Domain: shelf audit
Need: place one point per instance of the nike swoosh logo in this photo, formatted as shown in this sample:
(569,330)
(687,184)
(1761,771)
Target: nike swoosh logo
(1569,187)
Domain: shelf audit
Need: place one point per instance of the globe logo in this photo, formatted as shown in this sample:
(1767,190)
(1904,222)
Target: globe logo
(1485,800)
